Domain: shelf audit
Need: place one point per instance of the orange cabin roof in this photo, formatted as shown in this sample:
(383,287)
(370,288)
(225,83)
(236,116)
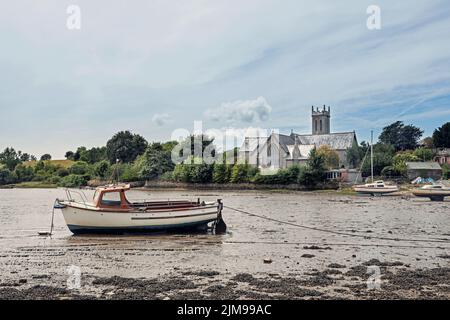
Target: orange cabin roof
(112,188)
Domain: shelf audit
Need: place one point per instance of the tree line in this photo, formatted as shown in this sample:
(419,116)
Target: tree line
(129,157)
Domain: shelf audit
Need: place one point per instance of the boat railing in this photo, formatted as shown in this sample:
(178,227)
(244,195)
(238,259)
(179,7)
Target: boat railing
(82,195)
(172,201)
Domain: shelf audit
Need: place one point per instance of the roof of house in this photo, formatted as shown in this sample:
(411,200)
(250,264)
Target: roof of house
(423,166)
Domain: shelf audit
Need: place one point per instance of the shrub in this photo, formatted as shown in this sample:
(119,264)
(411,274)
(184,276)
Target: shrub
(79,168)
(221,173)
(73,181)
(167,176)
(101,169)
(240,173)
(7,176)
(445,171)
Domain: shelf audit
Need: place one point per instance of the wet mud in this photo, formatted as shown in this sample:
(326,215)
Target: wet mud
(255,259)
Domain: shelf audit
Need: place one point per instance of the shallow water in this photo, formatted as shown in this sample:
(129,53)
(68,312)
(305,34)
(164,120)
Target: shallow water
(249,240)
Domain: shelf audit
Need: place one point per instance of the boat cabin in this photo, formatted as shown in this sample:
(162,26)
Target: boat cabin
(111,197)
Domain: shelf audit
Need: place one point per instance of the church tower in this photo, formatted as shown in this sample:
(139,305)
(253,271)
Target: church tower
(320,120)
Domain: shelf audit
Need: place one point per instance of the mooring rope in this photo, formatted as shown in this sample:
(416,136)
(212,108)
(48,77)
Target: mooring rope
(335,232)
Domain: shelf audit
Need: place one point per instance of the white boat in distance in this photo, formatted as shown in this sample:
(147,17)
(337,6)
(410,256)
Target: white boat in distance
(111,212)
(377,187)
(436,192)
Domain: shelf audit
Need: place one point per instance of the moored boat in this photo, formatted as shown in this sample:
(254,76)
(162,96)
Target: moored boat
(377,187)
(436,192)
(111,212)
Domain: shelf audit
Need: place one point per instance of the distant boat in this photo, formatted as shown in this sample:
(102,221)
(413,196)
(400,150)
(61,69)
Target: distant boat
(374,188)
(436,192)
(111,212)
(378,187)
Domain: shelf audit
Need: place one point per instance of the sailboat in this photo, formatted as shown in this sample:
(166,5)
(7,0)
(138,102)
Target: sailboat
(378,187)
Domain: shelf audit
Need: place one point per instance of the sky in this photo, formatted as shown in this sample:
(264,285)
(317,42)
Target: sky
(155,66)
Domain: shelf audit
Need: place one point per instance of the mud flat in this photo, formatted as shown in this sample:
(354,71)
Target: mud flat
(384,248)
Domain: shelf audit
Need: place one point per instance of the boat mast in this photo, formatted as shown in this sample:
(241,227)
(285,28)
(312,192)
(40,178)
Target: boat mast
(371,153)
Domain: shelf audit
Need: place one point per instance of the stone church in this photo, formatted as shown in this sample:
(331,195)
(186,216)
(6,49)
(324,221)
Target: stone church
(280,151)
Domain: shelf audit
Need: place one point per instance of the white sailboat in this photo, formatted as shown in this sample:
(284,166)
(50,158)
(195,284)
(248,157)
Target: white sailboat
(378,187)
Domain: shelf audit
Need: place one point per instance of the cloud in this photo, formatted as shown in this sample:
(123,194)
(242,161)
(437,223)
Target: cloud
(241,111)
(160,119)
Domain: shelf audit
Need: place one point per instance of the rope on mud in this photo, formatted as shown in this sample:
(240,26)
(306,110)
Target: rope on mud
(334,232)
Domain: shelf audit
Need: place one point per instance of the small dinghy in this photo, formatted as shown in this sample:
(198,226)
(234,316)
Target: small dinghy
(377,187)
(111,212)
(436,192)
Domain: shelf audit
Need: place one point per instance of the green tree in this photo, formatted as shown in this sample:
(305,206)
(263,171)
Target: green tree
(330,156)
(80,168)
(6,176)
(400,136)
(240,173)
(125,147)
(10,158)
(188,148)
(155,161)
(441,136)
(46,157)
(400,159)
(424,154)
(221,173)
(315,170)
(70,155)
(24,173)
(101,169)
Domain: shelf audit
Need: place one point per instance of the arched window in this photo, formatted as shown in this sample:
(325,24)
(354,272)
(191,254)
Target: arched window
(321,125)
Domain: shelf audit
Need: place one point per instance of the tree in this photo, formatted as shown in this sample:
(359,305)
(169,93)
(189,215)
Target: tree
(125,147)
(101,169)
(69,155)
(400,136)
(9,158)
(441,136)
(315,171)
(155,161)
(192,146)
(221,173)
(330,156)
(24,173)
(400,159)
(428,142)
(424,154)
(6,176)
(239,174)
(46,157)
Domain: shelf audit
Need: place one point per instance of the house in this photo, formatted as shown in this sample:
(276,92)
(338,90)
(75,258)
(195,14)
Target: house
(424,170)
(443,156)
(281,151)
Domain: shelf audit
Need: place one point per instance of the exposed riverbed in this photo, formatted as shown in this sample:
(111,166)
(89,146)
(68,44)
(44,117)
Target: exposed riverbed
(255,259)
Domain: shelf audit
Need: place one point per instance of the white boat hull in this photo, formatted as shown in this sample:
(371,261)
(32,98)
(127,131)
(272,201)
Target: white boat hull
(384,190)
(87,219)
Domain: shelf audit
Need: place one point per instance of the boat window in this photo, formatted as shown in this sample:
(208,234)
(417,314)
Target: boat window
(111,199)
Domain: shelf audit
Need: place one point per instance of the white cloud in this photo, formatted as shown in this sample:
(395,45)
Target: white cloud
(241,111)
(161,119)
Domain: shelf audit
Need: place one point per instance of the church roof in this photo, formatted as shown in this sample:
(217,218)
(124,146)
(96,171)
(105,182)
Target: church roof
(336,141)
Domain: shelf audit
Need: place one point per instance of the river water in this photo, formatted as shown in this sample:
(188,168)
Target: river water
(248,242)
